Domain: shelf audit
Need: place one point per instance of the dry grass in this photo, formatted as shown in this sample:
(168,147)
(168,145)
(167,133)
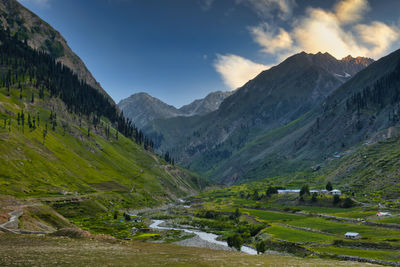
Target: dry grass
(29,250)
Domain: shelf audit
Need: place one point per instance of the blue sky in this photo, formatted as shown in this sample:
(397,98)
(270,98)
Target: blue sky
(181,50)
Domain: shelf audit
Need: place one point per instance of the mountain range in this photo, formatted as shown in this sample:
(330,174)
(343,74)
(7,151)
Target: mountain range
(275,98)
(311,118)
(142,108)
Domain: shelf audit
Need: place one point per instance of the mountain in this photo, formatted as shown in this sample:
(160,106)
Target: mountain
(351,139)
(206,105)
(41,36)
(143,108)
(271,100)
(62,136)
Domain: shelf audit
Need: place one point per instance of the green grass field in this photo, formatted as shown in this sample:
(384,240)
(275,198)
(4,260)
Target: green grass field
(297,236)
(69,161)
(372,254)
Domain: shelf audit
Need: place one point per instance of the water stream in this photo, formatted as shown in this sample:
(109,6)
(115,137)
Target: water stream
(212,238)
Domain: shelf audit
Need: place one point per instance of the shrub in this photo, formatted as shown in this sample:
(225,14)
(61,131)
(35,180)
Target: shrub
(348,203)
(314,197)
(235,241)
(261,247)
(336,199)
(305,190)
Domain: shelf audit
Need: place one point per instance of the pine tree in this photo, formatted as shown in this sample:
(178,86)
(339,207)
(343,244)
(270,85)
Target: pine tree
(329,186)
(23,121)
(29,121)
(18,119)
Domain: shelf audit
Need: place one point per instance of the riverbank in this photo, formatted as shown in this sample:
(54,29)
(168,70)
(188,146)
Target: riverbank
(202,239)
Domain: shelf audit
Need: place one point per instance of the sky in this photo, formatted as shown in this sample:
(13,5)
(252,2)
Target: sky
(181,50)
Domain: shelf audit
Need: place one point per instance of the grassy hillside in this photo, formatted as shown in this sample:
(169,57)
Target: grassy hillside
(69,161)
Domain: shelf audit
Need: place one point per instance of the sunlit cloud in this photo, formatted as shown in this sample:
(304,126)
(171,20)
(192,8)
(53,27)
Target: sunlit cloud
(236,70)
(381,39)
(338,32)
(271,39)
(350,11)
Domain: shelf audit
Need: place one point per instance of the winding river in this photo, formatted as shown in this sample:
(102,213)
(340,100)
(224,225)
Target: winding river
(212,238)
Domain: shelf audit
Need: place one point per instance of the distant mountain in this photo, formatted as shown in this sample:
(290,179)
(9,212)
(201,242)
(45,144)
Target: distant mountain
(203,106)
(276,97)
(40,35)
(142,108)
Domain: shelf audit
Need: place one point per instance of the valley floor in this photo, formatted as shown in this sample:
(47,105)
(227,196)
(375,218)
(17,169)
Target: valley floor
(33,250)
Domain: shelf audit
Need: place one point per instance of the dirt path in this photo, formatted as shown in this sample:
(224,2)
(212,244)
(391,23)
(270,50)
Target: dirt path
(12,224)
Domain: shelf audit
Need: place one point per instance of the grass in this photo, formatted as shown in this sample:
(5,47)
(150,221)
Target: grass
(55,251)
(372,254)
(71,162)
(297,236)
(339,229)
(270,216)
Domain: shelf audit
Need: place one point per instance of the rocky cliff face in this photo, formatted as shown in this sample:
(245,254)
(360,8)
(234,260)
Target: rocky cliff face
(41,36)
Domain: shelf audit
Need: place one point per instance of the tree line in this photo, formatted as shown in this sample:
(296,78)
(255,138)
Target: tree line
(23,65)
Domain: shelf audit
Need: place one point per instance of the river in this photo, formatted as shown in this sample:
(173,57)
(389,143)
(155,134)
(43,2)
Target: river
(212,238)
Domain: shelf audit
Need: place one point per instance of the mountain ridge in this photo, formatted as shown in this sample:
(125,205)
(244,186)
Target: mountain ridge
(143,108)
(272,99)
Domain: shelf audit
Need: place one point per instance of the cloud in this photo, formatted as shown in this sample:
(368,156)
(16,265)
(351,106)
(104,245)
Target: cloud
(381,39)
(270,39)
(350,11)
(41,3)
(236,70)
(270,8)
(337,32)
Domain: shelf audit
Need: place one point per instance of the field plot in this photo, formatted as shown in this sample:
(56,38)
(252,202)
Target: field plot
(372,254)
(296,235)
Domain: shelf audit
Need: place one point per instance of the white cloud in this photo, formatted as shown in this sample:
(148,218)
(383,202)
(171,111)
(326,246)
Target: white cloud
(269,8)
(272,40)
(321,32)
(337,32)
(379,35)
(41,3)
(236,70)
(350,11)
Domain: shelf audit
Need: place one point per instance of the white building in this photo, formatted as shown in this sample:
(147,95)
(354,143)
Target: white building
(352,235)
(294,191)
(336,192)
